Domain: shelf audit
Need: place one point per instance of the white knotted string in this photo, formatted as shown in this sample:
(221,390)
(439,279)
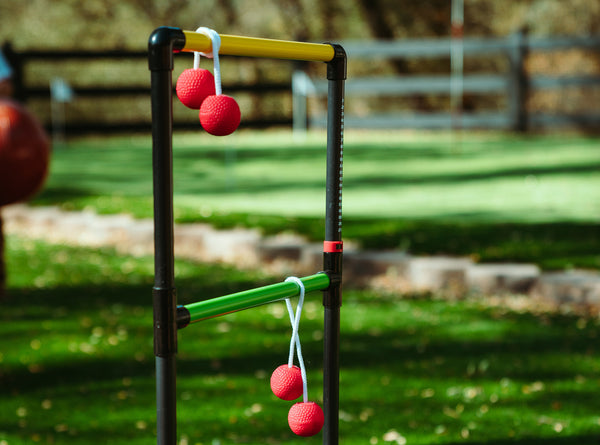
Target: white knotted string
(295,340)
(214,54)
(197,60)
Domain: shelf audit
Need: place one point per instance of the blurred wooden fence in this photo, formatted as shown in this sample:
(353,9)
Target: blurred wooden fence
(514,84)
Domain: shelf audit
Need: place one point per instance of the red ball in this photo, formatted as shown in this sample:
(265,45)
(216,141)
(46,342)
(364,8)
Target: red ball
(220,115)
(306,418)
(286,382)
(193,86)
(24,153)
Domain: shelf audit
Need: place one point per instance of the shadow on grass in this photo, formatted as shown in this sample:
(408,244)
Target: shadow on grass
(53,195)
(196,183)
(509,342)
(550,245)
(418,344)
(118,170)
(403,179)
(570,440)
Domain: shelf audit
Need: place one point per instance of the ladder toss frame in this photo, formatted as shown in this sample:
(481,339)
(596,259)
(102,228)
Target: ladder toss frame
(163,43)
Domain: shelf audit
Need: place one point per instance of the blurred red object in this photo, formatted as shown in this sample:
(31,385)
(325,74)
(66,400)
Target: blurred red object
(24,153)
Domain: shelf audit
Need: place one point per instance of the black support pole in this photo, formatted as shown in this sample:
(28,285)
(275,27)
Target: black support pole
(332,256)
(160,60)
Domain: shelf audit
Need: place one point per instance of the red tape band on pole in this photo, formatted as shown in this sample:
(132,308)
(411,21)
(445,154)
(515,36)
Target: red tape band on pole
(333,246)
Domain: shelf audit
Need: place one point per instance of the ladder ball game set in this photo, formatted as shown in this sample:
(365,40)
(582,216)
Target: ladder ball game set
(219,114)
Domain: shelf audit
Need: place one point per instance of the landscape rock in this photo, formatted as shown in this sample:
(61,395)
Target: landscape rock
(442,273)
(578,287)
(502,278)
(287,254)
(361,266)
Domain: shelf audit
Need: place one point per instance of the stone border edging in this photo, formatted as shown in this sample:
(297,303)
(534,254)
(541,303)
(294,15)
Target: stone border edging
(391,271)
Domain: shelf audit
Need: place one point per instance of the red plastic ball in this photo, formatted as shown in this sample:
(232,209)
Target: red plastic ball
(306,418)
(286,382)
(24,153)
(193,86)
(220,115)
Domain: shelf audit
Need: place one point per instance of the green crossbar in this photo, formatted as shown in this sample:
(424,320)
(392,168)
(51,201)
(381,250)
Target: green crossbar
(215,307)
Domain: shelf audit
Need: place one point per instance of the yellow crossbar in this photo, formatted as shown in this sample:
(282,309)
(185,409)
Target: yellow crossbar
(256,47)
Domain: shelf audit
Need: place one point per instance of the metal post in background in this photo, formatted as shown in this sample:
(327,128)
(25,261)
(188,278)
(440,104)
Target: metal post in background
(457,62)
(456,73)
(518,84)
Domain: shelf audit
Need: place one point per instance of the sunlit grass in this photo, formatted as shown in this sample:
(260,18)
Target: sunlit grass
(490,178)
(494,197)
(76,361)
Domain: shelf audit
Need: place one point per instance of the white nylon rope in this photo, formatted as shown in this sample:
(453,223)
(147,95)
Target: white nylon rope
(295,340)
(214,54)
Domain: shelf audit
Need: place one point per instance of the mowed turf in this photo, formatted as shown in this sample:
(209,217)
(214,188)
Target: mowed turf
(496,197)
(77,365)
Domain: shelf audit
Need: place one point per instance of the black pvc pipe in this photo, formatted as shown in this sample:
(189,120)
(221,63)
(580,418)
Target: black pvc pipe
(332,257)
(160,62)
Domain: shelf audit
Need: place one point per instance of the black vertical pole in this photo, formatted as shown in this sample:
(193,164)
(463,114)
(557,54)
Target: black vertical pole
(332,256)
(160,58)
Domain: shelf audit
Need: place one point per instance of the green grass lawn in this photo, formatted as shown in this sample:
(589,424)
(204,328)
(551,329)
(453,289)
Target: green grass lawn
(76,362)
(496,197)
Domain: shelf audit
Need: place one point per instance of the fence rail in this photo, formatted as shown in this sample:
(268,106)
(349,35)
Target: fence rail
(514,84)
(440,47)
